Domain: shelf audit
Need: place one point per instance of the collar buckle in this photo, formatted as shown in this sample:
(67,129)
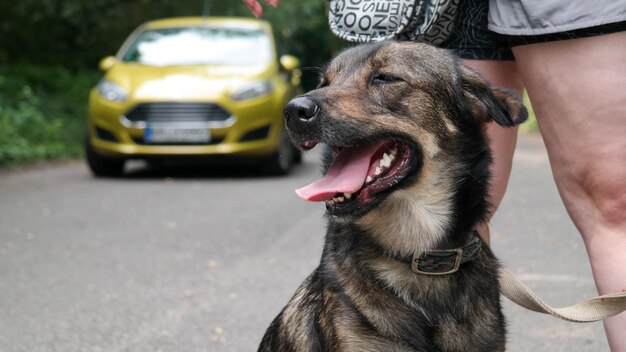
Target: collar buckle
(437,262)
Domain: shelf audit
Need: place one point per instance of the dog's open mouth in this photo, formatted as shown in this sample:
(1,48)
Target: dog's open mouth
(361,176)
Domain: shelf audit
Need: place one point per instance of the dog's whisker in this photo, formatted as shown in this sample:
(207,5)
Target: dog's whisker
(312,69)
(476,178)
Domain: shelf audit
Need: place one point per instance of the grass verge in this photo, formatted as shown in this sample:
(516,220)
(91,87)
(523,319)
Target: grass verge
(42,112)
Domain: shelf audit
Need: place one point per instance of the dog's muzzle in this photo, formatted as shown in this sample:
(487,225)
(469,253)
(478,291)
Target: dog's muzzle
(301,113)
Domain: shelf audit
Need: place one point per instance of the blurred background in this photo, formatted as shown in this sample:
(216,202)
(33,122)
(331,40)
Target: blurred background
(50,49)
(197,259)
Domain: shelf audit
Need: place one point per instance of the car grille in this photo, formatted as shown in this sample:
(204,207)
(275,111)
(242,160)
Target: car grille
(177,112)
(213,141)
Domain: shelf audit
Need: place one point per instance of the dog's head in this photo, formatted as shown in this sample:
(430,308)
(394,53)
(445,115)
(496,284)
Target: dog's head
(403,123)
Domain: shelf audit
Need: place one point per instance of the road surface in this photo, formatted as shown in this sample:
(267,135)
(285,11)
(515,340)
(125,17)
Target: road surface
(203,259)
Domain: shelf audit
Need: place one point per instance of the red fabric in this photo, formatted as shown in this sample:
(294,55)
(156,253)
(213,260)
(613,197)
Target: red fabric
(256,8)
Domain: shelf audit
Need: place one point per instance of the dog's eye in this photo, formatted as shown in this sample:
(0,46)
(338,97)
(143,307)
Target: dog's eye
(323,83)
(381,78)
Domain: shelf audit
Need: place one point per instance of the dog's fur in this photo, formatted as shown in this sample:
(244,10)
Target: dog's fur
(362,297)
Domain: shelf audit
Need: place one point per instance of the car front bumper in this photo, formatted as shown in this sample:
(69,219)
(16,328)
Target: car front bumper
(252,130)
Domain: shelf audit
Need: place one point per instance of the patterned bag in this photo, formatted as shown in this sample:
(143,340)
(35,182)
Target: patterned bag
(364,21)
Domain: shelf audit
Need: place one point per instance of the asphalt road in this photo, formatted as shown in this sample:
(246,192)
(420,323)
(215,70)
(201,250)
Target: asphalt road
(202,259)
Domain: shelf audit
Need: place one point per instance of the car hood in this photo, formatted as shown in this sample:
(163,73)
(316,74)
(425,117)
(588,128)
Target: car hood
(198,82)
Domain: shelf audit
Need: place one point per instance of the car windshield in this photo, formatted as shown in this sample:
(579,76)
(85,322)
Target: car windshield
(201,45)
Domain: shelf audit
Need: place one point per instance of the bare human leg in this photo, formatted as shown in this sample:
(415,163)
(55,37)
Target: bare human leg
(501,140)
(578,91)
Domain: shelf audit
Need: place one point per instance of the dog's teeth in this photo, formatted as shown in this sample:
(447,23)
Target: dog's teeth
(369,179)
(340,199)
(378,171)
(347,195)
(385,161)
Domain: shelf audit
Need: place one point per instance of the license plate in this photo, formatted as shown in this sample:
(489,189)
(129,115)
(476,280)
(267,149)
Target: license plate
(176,135)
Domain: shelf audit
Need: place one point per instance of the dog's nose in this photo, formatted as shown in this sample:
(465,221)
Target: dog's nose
(301,109)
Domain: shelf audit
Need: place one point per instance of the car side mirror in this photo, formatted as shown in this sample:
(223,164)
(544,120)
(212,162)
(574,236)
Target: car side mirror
(106,63)
(289,63)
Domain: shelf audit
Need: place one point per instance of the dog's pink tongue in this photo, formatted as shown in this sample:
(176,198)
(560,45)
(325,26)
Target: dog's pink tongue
(346,175)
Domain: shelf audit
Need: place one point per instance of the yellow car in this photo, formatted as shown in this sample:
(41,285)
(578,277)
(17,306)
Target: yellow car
(193,87)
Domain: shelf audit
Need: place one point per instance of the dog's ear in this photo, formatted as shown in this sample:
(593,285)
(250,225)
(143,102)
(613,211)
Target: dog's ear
(491,104)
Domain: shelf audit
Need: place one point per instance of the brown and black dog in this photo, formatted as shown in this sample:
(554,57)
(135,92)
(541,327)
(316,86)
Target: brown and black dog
(405,185)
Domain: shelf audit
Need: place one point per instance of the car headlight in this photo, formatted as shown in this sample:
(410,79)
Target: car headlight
(253,90)
(111,91)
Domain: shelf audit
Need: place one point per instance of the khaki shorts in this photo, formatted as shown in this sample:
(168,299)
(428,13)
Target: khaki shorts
(539,17)
(472,38)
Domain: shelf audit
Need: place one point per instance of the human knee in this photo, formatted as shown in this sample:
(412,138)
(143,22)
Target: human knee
(606,188)
(612,207)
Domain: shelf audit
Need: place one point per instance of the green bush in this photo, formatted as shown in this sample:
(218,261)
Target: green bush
(42,113)
(530,124)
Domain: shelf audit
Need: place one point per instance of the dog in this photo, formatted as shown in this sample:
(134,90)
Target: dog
(406,177)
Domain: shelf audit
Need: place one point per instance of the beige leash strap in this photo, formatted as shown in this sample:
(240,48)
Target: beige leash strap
(595,309)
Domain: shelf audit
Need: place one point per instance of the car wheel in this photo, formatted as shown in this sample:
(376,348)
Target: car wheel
(281,161)
(102,166)
(297,155)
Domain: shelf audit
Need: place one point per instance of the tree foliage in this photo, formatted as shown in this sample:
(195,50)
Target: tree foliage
(77,33)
